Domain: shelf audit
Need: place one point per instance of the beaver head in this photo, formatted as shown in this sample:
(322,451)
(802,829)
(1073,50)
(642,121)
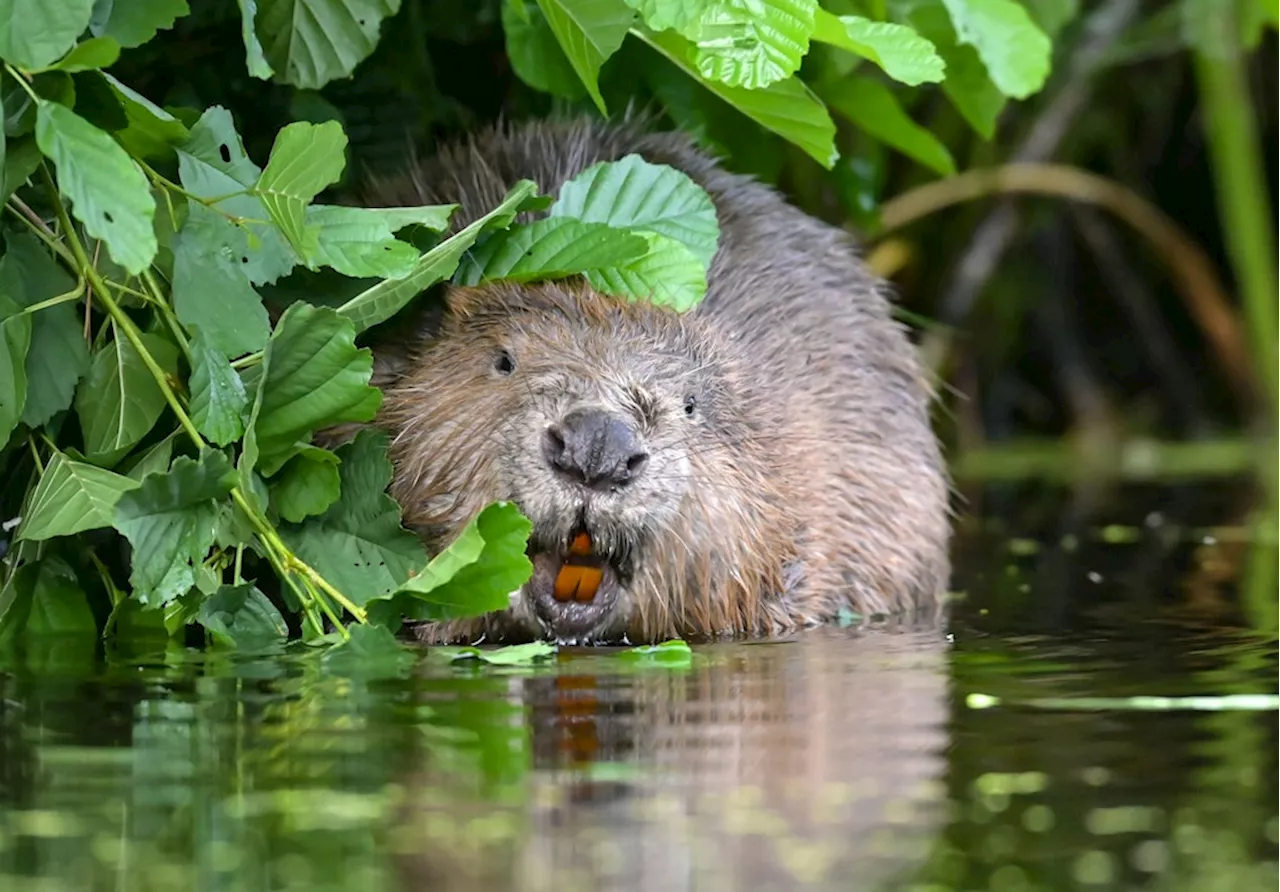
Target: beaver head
(625,432)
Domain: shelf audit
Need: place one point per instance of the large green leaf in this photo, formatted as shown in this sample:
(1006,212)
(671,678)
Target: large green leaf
(90,55)
(788,108)
(307,485)
(752,43)
(210,288)
(36,33)
(44,598)
(312,42)
(358,544)
(151,131)
(134,22)
(589,32)
(312,376)
(968,85)
(170,521)
(663,14)
(255,57)
(358,242)
(668,275)
(57,357)
(873,107)
(218,398)
(304,160)
(384,300)
(633,194)
(15,339)
(550,248)
(119,400)
(72,497)
(107,191)
(1015,51)
(240,616)
(898,49)
(535,54)
(476,573)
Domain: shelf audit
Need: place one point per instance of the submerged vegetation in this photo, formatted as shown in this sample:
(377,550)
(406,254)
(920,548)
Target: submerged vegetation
(164,169)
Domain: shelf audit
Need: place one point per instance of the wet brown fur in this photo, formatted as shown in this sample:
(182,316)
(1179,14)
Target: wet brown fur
(819,486)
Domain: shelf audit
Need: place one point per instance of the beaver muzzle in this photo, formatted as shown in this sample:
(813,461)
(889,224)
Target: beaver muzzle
(574,590)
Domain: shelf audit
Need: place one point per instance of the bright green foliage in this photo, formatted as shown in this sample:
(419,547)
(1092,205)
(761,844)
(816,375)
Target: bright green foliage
(511,655)
(589,32)
(752,44)
(357,242)
(36,33)
(873,107)
(255,57)
(72,497)
(668,274)
(309,43)
(663,14)
(903,54)
(305,159)
(548,249)
(1014,50)
(92,54)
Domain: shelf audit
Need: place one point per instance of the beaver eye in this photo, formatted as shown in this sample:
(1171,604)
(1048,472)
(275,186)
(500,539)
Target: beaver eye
(503,364)
(690,405)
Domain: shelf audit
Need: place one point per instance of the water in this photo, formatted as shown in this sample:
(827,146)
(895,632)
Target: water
(838,760)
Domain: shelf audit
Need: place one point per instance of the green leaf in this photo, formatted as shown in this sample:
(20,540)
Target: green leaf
(57,357)
(901,52)
(307,485)
(15,338)
(213,164)
(384,300)
(968,85)
(169,520)
(1016,52)
(72,497)
(241,617)
(358,544)
(668,275)
(312,42)
(255,59)
(20,162)
(36,33)
(511,655)
(752,43)
(873,107)
(107,191)
(151,131)
(1051,16)
(154,460)
(433,216)
(210,288)
(534,52)
(45,599)
(675,14)
(135,22)
(218,398)
(119,401)
(358,243)
(589,32)
(673,653)
(92,54)
(550,248)
(304,160)
(312,376)
(788,108)
(369,652)
(477,573)
(633,194)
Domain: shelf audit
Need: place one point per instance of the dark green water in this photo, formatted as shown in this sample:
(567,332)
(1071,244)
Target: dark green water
(839,760)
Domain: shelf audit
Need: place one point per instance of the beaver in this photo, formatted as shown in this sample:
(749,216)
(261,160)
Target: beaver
(760,463)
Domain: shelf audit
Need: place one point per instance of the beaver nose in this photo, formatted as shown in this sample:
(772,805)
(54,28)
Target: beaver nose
(595,448)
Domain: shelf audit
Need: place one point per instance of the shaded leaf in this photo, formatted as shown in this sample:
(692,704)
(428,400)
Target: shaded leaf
(550,248)
(218,398)
(107,191)
(20,162)
(304,160)
(873,107)
(134,22)
(255,58)
(535,54)
(169,520)
(752,43)
(369,652)
(154,460)
(119,401)
(240,616)
(312,42)
(150,131)
(92,54)
(307,485)
(589,32)
(15,338)
(901,52)
(1016,52)
(358,544)
(36,33)
(72,497)
(968,85)
(45,598)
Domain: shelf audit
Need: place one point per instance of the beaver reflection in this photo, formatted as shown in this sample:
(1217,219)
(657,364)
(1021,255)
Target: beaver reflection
(814,765)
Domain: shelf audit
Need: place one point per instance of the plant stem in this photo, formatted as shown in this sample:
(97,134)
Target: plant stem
(38,228)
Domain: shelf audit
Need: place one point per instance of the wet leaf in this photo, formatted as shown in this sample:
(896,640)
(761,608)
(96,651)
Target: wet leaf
(787,107)
(901,52)
(170,522)
(510,655)
(589,32)
(241,617)
(548,249)
(36,33)
(72,497)
(751,43)
(369,651)
(633,194)
(307,485)
(218,398)
(477,573)
(384,300)
(667,275)
(107,191)
(312,376)
(134,22)
(119,401)
(358,543)
(304,160)
(312,42)
(673,653)
(1016,52)
(15,339)
(92,54)
(873,107)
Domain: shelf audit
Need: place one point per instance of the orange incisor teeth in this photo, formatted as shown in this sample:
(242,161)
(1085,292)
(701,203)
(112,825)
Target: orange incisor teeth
(576,582)
(581,545)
